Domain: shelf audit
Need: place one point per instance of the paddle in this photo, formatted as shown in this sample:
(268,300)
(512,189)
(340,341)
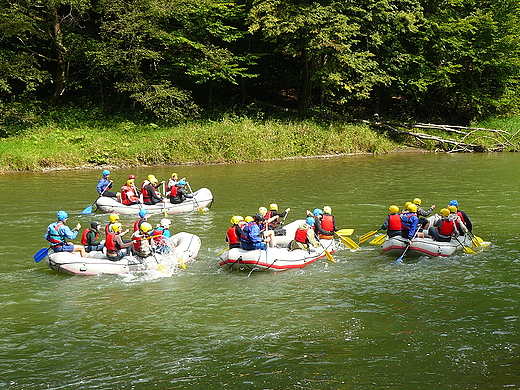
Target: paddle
(327,253)
(164,200)
(222,251)
(195,199)
(345,232)
(40,255)
(347,241)
(407,247)
(368,236)
(88,210)
(466,249)
(378,240)
(160,266)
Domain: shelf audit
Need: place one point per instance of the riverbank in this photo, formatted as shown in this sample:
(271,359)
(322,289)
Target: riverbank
(125,144)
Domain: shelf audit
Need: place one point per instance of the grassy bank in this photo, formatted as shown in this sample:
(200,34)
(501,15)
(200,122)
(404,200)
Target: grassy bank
(68,144)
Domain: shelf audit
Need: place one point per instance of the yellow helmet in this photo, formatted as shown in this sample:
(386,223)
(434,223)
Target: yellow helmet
(145,227)
(236,219)
(174,175)
(273,206)
(445,212)
(262,210)
(154,180)
(150,177)
(452,209)
(113,218)
(412,207)
(406,205)
(116,227)
(394,209)
(249,219)
(327,210)
(417,201)
(129,182)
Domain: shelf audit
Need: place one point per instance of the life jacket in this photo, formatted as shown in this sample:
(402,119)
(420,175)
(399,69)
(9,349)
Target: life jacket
(146,194)
(301,235)
(141,246)
(128,195)
(159,233)
(245,236)
(394,222)
(405,220)
(84,236)
(173,192)
(232,236)
(110,244)
(327,222)
(447,227)
(137,224)
(53,236)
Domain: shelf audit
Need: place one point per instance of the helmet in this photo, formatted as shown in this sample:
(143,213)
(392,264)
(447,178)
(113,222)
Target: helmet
(273,206)
(116,227)
(150,177)
(327,210)
(454,203)
(394,209)
(310,221)
(131,177)
(236,219)
(406,205)
(129,182)
(174,175)
(412,207)
(143,212)
(249,218)
(94,225)
(452,209)
(154,180)
(165,222)
(145,227)
(182,182)
(317,212)
(262,210)
(258,217)
(445,212)
(417,201)
(113,217)
(105,173)
(62,215)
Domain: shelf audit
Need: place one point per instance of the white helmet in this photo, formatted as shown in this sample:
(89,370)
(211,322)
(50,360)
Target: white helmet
(165,222)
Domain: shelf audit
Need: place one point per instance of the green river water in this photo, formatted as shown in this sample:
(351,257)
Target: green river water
(363,323)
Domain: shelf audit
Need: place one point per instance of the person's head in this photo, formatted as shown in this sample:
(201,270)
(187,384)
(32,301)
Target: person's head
(175,176)
(273,207)
(393,209)
(327,210)
(105,173)
(181,183)
(145,227)
(113,218)
(165,223)
(154,181)
(131,177)
(412,208)
(452,209)
(445,212)
(143,213)
(150,177)
(310,221)
(116,227)
(94,225)
(235,219)
(317,212)
(453,203)
(262,210)
(406,205)
(130,182)
(258,218)
(417,201)
(249,219)
(62,215)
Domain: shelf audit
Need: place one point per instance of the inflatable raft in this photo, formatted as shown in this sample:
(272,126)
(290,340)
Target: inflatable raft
(424,246)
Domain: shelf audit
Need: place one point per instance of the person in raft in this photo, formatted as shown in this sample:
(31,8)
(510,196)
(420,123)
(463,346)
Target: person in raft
(422,214)
(172,181)
(58,233)
(443,228)
(150,194)
(161,235)
(112,218)
(392,223)
(89,237)
(143,217)
(114,244)
(252,237)
(463,216)
(235,231)
(104,186)
(129,195)
(276,224)
(305,236)
(178,193)
(326,225)
(143,245)
(410,223)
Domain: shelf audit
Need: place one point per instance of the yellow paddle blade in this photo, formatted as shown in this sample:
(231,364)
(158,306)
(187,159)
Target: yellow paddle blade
(201,210)
(161,268)
(367,236)
(345,232)
(475,243)
(469,251)
(182,264)
(348,242)
(378,240)
(329,256)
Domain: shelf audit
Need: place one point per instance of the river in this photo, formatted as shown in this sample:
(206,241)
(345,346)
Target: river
(363,323)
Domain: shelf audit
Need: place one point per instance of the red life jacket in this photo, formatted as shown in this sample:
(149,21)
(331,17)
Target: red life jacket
(84,236)
(173,192)
(461,217)
(146,194)
(140,239)
(394,222)
(232,237)
(158,236)
(128,195)
(110,244)
(301,235)
(327,222)
(137,224)
(447,227)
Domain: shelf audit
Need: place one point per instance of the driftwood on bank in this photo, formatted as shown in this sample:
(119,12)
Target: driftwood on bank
(500,139)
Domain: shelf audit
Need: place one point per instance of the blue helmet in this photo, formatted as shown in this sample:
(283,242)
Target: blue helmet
(182,182)
(105,173)
(62,215)
(453,203)
(317,212)
(143,212)
(310,221)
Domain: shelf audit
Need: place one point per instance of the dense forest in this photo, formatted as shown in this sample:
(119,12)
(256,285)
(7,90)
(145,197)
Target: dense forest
(451,60)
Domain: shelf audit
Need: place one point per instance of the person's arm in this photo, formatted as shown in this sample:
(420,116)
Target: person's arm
(183,191)
(320,230)
(311,237)
(255,234)
(67,232)
(120,243)
(384,226)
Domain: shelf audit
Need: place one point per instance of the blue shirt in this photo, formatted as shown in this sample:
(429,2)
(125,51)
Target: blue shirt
(102,184)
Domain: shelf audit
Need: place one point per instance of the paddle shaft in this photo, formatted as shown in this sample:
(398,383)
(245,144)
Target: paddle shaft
(99,196)
(407,247)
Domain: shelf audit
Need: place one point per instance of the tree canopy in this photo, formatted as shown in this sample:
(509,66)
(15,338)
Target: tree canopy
(172,59)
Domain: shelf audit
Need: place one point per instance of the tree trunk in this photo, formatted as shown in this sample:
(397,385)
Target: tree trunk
(62,65)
